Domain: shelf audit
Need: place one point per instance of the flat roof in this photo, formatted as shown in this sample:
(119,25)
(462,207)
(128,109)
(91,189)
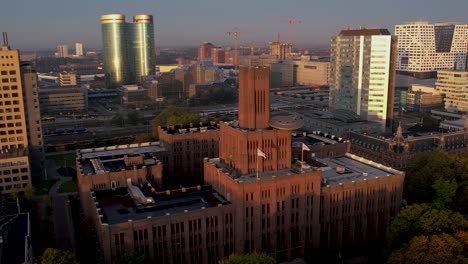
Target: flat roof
(262,176)
(133,149)
(351,168)
(187,129)
(118,206)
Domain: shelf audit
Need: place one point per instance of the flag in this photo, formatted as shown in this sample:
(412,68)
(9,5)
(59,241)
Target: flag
(305,147)
(261,154)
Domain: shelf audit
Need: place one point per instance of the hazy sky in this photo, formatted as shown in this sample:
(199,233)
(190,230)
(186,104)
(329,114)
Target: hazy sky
(43,24)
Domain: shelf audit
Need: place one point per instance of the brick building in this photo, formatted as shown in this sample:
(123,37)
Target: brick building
(254,197)
(186,146)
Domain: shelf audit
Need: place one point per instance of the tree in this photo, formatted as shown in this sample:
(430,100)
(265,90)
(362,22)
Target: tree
(428,167)
(422,220)
(130,258)
(173,115)
(446,192)
(55,256)
(442,248)
(253,258)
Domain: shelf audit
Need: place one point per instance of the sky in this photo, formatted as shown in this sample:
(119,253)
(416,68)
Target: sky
(44,24)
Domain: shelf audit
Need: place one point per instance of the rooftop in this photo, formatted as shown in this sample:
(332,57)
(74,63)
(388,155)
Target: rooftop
(118,206)
(111,159)
(364,32)
(262,176)
(351,168)
(191,128)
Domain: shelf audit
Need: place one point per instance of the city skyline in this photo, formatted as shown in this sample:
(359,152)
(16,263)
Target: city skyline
(190,23)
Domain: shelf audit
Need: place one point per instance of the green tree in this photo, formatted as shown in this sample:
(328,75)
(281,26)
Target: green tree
(442,248)
(133,117)
(173,115)
(422,220)
(446,192)
(55,256)
(427,168)
(253,258)
(130,258)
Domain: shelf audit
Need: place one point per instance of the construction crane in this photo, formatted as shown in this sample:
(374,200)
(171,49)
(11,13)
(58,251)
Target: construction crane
(236,33)
(291,22)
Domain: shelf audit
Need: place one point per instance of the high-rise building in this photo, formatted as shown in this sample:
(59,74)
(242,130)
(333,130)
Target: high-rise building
(67,79)
(424,48)
(14,160)
(280,50)
(204,51)
(454,85)
(33,120)
(363,73)
(79,49)
(62,51)
(128,49)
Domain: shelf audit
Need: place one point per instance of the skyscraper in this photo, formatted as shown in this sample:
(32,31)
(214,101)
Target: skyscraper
(128,48)
(362,78)
(14,158)
(424,48)
(78,49)
(62,51)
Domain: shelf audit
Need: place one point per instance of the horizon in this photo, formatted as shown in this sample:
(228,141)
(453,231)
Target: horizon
(46,24)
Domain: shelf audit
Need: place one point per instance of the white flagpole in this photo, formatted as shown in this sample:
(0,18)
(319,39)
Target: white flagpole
(302,159)
(258,157)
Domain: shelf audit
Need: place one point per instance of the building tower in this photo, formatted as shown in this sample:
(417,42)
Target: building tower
(62,51)
(128,49)
(33,120)
(362,73)
(255,172)
(79,49)
(14,160)
(425,48)
(143,46)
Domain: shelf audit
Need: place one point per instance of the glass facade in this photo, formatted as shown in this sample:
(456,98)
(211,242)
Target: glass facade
(143,46)
(128,49)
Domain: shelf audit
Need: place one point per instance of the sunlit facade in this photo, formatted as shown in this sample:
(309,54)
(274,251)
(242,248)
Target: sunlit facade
(363,73)
(425,48)
(128,48)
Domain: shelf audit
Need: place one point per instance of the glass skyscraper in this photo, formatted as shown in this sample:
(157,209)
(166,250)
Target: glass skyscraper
(128,48)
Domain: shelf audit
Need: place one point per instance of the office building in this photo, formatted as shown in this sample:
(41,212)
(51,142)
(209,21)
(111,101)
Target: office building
(422,98)
(67,79)
(62,51)
(313,73)
(133,95)
(79,49)
(254,198)
(204,51)
(454,85)
(425,48)
(128,49)
(63,100)
(33,120)
(14,160)
(362,78)
(282,74)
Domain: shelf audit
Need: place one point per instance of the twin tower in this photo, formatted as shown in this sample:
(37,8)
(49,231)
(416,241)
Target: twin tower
(128,49)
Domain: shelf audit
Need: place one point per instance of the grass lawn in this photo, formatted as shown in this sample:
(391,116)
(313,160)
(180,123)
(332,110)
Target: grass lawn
(63,160)
(68,187)
(43,187)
